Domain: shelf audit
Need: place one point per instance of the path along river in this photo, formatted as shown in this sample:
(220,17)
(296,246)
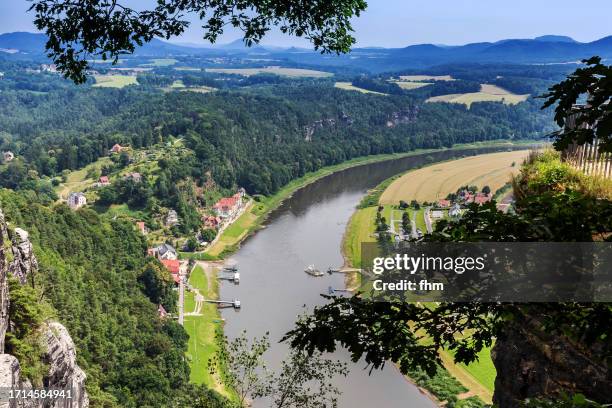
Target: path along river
(307,229)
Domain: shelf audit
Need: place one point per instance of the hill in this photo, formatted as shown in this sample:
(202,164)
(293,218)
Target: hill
(545,49)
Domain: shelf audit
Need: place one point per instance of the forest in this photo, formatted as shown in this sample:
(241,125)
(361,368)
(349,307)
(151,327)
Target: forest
(256,136)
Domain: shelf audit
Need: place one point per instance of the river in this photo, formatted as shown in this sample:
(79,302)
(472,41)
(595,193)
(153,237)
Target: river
(308,228)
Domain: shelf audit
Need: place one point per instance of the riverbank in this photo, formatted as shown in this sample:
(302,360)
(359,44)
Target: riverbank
(252,220)
(478,378)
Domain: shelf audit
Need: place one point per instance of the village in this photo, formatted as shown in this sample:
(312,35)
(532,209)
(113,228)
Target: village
(421,217)
(180,256)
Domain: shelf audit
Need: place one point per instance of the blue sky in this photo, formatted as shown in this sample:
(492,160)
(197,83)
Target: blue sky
(396,23)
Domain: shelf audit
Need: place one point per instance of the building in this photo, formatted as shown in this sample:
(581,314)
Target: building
(76,200)
(210,221)
(8,156)
(482,198)
(48,68)
(165,251)
(444,203)
(161,312)
(172,265)
(141,227)
(135,177)
(103,181)
(117,148)
(455,210)
(172,218)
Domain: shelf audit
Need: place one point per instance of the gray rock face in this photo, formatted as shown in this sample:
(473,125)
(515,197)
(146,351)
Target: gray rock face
(63,369)
(17,259)
(24,262)
(5,246)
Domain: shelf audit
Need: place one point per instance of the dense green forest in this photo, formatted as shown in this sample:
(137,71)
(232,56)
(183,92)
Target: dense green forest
(258,137)
(96,275)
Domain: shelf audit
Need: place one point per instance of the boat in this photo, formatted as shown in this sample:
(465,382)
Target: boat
(311,270)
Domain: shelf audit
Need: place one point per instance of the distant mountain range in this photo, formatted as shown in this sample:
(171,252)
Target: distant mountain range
(540,50)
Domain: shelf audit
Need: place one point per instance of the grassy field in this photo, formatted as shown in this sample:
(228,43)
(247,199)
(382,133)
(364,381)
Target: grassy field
(202,330)
(199,89)
(114,81)
(347,86)
(418,78)
(408,85)
(487,93)
(77,180)
(288,72)
(436,181)
(161,62)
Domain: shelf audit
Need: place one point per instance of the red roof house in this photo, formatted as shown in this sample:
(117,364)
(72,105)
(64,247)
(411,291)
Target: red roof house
(172,265)
(482,198)
(104,181)
(140,225)
(162,312)
(226,206)
(444,203)
(116,148)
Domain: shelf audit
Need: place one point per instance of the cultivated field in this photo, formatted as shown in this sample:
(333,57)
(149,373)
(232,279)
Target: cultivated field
(418,78)
(114,81)
(488,93)
(408,85)
(288,72)
(347,86)
(435,182)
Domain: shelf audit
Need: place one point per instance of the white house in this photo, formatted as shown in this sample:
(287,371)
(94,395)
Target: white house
(76,200)
(455,210)
(172,218)
(8,156)
(166,251)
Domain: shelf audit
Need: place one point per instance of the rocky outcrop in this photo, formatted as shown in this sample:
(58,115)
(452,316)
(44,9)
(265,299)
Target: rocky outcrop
(24,262)
(17,259)
(531,363)
(403,117)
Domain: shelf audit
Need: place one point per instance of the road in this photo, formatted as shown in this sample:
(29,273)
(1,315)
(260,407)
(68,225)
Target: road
(426,215)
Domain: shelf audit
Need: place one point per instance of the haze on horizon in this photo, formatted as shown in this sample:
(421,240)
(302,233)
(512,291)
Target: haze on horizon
(399,23)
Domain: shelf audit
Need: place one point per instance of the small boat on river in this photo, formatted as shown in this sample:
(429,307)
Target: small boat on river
(312,271)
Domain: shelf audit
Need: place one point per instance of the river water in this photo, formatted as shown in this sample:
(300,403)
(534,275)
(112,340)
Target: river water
(274,290)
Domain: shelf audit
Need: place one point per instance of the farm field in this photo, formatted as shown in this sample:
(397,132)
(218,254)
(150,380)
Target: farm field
(417,78)
(288,72)
(114,81)
(487,93)
(347,86)
(435,182)
(410,84)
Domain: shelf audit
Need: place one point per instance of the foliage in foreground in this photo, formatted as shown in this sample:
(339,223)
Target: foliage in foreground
(302,381)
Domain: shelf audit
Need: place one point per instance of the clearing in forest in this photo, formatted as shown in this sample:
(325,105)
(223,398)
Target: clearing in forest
(419,78)
(487,93)
(347,86)
(436,181)
(288,72)
(114,81)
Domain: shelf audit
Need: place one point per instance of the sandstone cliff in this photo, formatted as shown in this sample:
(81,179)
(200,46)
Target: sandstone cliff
(17,259)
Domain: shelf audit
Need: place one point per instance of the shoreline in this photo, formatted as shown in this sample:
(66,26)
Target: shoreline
(262,208)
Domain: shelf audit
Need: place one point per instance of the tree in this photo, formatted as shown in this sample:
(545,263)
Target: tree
(406,224)
(246,371)
(403,205)
(486,190)
(595,82)
(303,380)
(108,29)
